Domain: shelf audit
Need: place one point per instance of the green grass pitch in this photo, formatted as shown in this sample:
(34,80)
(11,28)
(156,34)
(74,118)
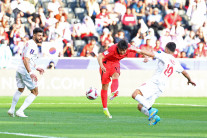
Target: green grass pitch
(78,117)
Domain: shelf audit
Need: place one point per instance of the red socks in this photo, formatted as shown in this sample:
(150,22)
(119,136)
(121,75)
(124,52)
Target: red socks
(104,98)
(114,85)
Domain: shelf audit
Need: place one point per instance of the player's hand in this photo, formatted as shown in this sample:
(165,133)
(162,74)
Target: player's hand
(103,68)
(41,71)
(33,77)
(190,82)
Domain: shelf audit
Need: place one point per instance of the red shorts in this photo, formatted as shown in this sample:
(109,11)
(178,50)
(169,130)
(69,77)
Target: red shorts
(111,68)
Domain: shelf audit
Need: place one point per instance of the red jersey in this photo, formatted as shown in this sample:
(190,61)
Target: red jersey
(112,55)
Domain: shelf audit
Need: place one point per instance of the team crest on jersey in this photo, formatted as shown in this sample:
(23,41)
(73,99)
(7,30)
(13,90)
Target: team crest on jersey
(106,52)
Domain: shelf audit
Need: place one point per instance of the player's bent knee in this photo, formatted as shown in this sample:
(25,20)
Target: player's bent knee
(136,92)
(20,89)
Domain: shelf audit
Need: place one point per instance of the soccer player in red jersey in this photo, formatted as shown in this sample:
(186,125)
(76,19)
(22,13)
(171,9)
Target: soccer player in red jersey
(110,69)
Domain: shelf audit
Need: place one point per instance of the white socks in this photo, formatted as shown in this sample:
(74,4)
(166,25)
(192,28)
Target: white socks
(142,101)
(27,102)
(105,109)
(15,99)
(145,111)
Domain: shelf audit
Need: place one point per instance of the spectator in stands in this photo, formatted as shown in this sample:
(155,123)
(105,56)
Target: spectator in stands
(88,29)
(129,22)
(190,44)
(119,36)
(200,35)
(171,19)
(34,23)
(158,46)
(146,47)
(17,34)
(39,14)
(92,9)
(139,39)
(139,9)
(7,7)
(151,36)
(106,36)
(103,17)
(177,33)
(165,38)
(3,35)
(5,23)
(120,7)
(50,25)
(183,54)
(76,30)
(6,55)
(197,13)
(51,65)
(68,50)
(104,47)
(61,13)
(155,21)
(90,50)
(53,6)
(201,50)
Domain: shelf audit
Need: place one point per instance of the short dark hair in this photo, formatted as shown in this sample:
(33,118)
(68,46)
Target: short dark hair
(171,46)
(37,30)
(122,44)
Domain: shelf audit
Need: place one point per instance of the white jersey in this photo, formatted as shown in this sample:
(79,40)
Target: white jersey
(30,51)
(167,65)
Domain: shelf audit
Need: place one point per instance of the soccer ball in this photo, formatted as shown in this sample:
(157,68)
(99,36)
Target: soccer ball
(92,93)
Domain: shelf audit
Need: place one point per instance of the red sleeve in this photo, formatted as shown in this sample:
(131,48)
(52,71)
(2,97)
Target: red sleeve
(83,53)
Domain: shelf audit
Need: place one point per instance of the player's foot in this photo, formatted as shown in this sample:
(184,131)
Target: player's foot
(152,113)
(11,113)
(106,112)
(114,95)
(154,120)
(20,114)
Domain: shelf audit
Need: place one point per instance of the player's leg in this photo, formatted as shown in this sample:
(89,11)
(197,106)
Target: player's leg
(138,96)
(17,94)
(32,86)
(143,109)
(114,85)
(104,98)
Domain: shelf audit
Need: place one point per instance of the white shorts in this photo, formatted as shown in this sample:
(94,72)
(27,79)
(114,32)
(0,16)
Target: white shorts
(150,92)
(25,80)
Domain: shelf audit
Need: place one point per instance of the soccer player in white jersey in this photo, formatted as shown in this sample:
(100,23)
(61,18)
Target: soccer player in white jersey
(25,75)
(148,92)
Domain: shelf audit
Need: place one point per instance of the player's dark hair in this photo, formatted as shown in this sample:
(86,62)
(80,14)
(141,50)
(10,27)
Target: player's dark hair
(122,44)
(171,46)
(37,30)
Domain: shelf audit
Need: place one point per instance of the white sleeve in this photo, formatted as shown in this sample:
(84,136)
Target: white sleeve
(159,55)
(178,67)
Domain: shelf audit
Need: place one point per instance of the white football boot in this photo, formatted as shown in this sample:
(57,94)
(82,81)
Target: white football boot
(20,114)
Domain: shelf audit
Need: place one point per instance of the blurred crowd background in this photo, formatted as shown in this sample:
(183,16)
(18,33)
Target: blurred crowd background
(84,28)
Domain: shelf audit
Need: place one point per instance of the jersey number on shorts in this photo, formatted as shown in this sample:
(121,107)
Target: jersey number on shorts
(169,70)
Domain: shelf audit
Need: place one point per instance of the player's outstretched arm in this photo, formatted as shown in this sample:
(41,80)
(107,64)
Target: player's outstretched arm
(143,52)
(100,59)
(188,77)
(26,64)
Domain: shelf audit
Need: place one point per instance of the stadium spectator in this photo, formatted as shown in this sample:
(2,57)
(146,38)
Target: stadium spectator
(3,35)
(146,47)
(68,50)
(190,44)
(201,50)
(139,39)
(61,13)
(5,22)
(151,36)
(139,9)
(106,36)
(129,22)
(50,25)
(183,54)
(93,9)
(53,6)
(158,47)
(171,19)
(120,7)
(104,47)
(33,23)
(88,29)
(197,13)
(155,21)
(119,36)
(7,7)
(51,65)
(90,50)
(76,30)
(165,38)
(103,17)
(5,53)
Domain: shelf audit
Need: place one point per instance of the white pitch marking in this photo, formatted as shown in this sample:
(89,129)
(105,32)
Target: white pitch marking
(29,135)
(117,103)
